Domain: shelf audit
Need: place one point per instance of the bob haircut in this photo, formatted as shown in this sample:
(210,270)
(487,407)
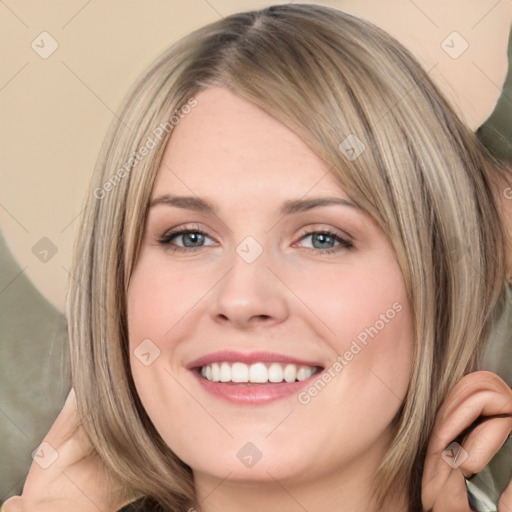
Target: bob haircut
(423,177)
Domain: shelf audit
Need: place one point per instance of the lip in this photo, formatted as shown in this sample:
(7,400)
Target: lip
(249,393)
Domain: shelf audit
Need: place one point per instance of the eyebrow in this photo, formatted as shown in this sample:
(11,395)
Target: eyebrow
(287,208)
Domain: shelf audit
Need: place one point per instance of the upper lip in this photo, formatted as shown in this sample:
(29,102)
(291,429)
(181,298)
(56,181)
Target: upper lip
(248,358)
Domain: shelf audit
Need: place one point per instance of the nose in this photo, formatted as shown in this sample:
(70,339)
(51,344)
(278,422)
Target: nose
(249,294)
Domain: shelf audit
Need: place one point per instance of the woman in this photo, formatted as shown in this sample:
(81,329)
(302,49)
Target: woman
(261,370)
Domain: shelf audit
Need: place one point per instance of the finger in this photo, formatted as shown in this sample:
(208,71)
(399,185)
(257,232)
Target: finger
(453,496)
(66,421)
(471,457)
(66,432)
(436,472)
(483,443)
(473,382)
(470,384)
(483,403)
(63,446)
(477,394)
(439,469)
(14,504)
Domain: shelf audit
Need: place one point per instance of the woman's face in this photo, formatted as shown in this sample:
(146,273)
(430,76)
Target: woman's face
(247,286)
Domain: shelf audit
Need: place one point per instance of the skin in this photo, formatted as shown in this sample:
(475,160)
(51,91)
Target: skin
(192,304)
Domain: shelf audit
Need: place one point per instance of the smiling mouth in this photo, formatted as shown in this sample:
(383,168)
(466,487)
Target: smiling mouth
(256,373)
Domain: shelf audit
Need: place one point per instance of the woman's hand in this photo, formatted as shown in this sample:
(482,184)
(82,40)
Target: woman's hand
(479,396)
(66,474)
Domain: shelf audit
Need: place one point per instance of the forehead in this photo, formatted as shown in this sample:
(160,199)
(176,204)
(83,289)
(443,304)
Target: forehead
(227,144)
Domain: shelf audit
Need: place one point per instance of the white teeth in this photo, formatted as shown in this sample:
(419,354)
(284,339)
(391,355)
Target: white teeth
(239,372)
(275,373)
(290,373)
(258,373)
(225,372)
(302,373)
(215,372)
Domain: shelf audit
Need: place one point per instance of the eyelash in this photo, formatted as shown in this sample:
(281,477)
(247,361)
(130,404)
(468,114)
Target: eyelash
(344,244)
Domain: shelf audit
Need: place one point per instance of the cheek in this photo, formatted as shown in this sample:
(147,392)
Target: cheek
(360,301)
(161,308)
(158,298)
(377,317)
(366,320)
(151,310)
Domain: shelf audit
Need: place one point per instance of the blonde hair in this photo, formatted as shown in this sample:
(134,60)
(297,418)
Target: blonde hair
(423,177)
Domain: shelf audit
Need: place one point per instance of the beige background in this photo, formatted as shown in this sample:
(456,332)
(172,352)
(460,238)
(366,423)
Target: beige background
(55,111)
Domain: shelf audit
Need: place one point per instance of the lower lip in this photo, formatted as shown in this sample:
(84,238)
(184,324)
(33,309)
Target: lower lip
(253,394)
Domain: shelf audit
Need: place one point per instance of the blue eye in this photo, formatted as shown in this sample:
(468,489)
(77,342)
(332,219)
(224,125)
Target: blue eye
(326,237)
(190,237)
(193,239)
